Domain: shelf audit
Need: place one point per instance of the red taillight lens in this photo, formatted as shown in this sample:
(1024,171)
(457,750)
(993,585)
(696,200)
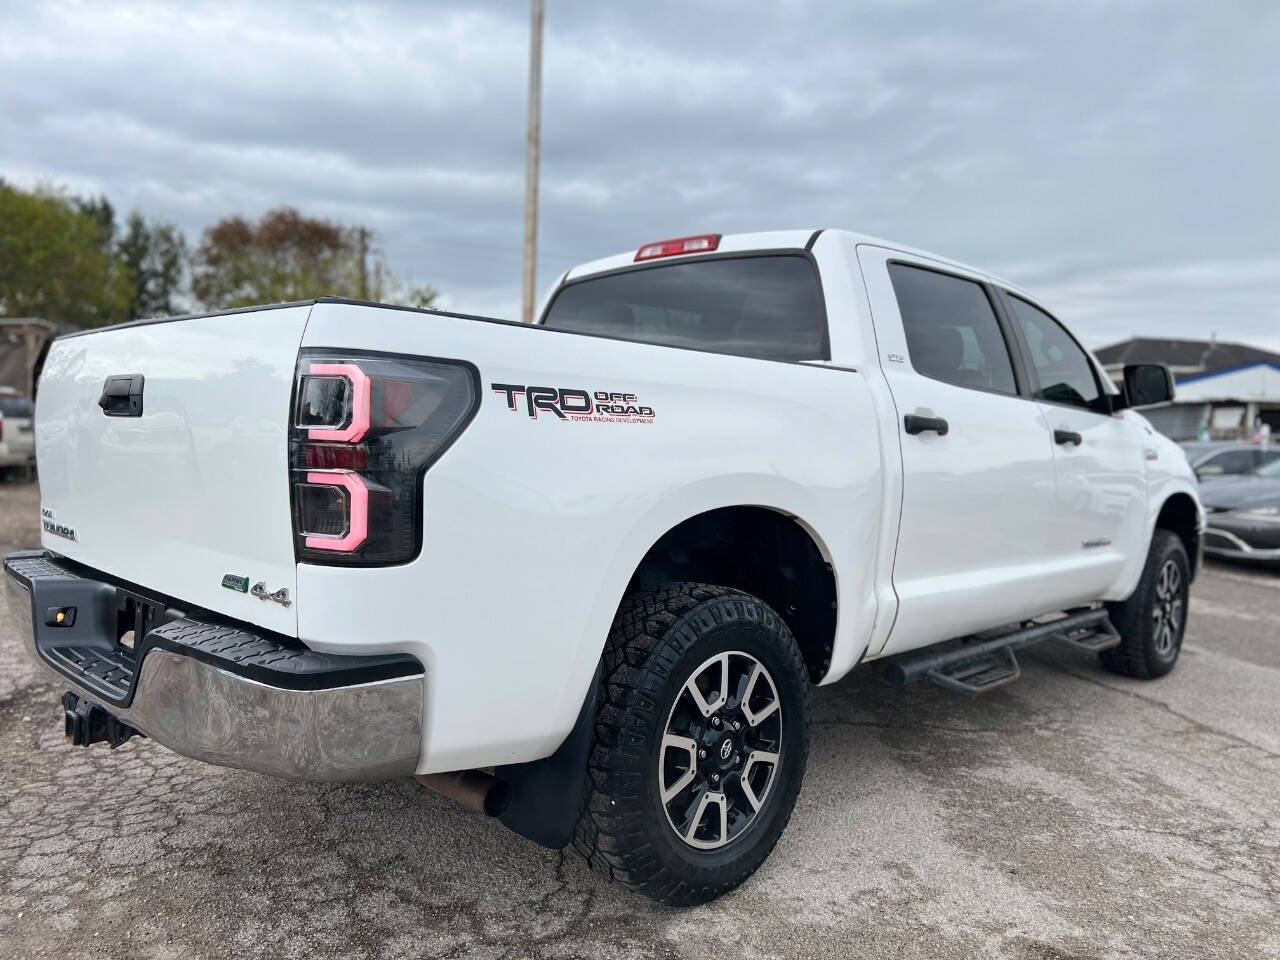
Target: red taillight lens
(333,510)
(335,402)
(703,243)
(364,431)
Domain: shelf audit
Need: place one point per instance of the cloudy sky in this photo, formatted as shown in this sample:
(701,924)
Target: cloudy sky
(1120,159)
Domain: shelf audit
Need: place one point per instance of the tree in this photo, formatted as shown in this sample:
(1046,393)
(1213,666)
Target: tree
(56,260)
(422,297)
(286,256)
(100,210)
(155,255)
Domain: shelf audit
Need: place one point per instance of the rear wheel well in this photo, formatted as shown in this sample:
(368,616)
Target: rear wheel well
(1178,515)
(761,552)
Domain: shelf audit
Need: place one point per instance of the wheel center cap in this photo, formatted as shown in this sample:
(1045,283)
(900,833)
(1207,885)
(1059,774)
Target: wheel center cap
(726,748)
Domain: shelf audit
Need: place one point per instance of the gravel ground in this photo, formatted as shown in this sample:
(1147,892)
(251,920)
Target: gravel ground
(1070,815)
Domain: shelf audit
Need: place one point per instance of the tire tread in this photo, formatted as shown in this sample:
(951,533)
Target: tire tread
(650,634)
(1132,617)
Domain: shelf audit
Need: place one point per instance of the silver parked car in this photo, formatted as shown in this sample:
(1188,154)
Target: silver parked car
(1228,457)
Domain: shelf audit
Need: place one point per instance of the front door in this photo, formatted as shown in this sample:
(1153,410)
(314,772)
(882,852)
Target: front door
(977,454)
(1100,517)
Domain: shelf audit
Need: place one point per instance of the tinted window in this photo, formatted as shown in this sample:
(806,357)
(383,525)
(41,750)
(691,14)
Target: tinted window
(752,306)
(1066,375)
(952,331)
(1234,461)
(15,407)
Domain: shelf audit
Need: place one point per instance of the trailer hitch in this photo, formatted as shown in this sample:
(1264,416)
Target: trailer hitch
(87,723)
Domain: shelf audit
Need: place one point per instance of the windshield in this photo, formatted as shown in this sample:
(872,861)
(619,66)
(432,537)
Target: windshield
(754,306)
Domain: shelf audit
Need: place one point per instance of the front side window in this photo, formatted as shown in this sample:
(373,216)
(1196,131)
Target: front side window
(1064,370)
(951,329)
(1232,461)
(763,306)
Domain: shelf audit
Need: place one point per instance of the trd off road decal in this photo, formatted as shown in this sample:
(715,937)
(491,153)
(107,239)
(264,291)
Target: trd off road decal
(567,403)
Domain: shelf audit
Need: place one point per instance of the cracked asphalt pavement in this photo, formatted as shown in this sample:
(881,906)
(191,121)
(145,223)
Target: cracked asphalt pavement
(1072,814)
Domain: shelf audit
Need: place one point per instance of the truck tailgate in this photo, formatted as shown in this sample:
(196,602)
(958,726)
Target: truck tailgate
(195,488)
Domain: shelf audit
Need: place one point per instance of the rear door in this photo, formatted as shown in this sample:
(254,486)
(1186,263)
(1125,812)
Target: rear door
(1100,516)
(977,500)
(196,486)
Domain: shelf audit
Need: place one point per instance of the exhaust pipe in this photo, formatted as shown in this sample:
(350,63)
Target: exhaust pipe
(472,789)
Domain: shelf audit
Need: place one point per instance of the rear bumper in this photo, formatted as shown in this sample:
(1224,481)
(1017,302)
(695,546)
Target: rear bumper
(219,692)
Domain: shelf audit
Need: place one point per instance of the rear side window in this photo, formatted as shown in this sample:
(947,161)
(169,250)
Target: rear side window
(766,306)
(952,331)
(16,407)
(1065,373)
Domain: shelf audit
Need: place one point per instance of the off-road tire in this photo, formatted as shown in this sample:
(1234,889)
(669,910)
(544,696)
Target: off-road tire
(658,638)
(1135,618)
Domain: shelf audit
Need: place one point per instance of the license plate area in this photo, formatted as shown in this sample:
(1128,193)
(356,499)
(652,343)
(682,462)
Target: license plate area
(101,652)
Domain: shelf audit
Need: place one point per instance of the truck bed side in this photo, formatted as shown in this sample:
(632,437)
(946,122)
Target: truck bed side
(533,525)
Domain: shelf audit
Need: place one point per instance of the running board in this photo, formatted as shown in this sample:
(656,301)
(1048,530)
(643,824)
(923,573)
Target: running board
(990,664)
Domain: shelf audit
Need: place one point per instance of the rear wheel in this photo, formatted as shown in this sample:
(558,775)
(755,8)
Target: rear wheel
(1152,621)
(700,745)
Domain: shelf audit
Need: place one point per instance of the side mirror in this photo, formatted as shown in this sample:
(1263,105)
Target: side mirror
(1210,470)
(1147,384)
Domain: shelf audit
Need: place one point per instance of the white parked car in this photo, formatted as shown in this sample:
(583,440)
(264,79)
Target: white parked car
(17,437)
(584,574)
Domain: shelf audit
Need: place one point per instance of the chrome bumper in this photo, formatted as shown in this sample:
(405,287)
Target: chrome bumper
(366,731)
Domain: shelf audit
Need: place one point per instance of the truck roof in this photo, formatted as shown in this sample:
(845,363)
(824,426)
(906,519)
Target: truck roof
(779,240)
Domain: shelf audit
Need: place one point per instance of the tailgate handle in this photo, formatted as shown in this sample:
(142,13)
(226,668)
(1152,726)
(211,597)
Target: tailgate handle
(122,395)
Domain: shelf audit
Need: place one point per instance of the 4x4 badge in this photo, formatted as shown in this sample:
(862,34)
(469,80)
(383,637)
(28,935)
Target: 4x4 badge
(280,596)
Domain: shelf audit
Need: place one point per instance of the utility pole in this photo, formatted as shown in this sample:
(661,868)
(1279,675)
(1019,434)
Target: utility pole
(364,262)
(532,140)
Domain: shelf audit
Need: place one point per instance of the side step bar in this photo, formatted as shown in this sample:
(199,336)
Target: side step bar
(990,664)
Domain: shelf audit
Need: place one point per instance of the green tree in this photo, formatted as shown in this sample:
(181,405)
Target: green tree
(286,256)
(155,254)
(100,210)
(56,260)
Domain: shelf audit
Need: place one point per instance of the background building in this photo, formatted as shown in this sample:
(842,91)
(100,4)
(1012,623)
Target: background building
(24,341)
(1224,390)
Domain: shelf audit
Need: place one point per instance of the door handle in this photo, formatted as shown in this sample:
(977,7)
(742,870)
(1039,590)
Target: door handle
(914,423)
(1067,436)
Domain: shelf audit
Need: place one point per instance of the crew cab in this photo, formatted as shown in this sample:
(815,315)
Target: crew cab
(583,574)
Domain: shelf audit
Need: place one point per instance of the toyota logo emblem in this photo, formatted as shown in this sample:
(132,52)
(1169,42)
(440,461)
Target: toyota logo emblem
(726,748)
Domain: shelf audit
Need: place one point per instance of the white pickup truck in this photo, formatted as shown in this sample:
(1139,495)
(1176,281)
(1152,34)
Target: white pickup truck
(583,574)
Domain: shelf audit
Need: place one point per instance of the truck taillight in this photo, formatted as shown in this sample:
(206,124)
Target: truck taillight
(365,429)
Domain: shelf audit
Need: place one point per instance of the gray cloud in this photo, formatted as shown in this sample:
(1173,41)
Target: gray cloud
(1117,159)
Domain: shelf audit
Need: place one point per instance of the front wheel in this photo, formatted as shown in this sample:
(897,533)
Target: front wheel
(1153,620)
(701,740)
